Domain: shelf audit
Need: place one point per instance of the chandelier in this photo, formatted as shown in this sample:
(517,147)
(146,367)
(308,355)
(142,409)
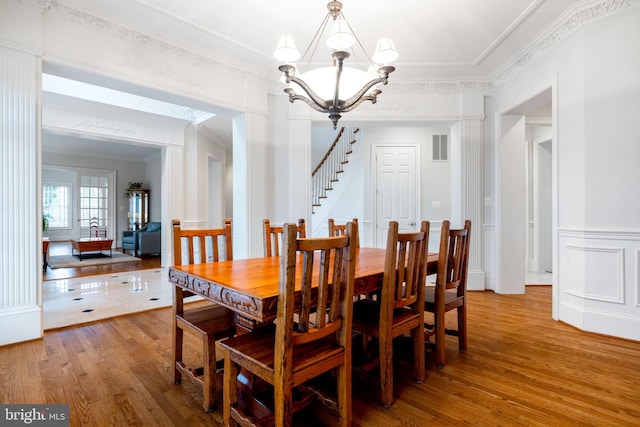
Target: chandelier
(335,89)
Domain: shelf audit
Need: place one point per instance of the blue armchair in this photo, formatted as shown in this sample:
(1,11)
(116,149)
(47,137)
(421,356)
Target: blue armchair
(147,240)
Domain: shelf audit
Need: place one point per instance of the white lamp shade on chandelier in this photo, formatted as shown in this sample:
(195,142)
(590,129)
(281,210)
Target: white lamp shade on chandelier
(341,37)
(286,50)
(385,52)
(335,89)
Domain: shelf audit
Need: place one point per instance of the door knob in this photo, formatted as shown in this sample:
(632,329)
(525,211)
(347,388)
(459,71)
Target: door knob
(412,224)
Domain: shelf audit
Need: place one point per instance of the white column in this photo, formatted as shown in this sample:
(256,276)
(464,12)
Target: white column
(249,184)
(300,170)
(173,189)
(20,199)
(471,150)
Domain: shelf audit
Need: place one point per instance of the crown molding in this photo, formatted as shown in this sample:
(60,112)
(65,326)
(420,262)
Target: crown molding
(572,20)
(65,11)
(440,86)
(506,33)
(9,44)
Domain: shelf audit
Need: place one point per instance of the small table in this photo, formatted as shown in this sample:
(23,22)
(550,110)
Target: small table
(45,253)
(91,244)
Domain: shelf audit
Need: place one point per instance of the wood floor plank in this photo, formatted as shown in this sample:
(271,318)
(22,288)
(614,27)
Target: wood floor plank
(522,369)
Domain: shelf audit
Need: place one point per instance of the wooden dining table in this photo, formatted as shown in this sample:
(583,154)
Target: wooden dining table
(250,286)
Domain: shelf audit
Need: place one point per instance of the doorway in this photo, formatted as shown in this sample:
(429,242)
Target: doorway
(539,231)
(397,188)
(515,237)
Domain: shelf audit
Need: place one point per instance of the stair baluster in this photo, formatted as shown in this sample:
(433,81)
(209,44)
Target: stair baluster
(331,165)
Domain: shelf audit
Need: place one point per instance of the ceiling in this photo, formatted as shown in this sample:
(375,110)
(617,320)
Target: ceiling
(438,40)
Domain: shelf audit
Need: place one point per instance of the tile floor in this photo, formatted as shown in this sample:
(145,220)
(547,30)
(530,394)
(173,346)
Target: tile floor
(86,299)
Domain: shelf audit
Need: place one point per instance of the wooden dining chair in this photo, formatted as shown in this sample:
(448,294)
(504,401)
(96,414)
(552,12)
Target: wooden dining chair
(323,269)
(273,236)
(400,308)
(340,229)
(450,289)
(210,322)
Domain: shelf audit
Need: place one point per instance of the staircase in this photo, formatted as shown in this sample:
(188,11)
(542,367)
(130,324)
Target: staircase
(332,165)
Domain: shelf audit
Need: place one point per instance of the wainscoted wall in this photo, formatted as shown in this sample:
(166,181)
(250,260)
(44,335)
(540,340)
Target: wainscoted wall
(599,283)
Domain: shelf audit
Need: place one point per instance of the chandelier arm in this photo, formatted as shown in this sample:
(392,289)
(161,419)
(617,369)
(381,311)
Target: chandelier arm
(295,97)
(312,95)
(373,98)
(349,102)
(383,72)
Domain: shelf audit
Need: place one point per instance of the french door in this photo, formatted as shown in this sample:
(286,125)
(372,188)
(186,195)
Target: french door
(96,200)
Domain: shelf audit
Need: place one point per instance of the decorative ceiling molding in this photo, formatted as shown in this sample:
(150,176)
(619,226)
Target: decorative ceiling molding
(55,7)
(506,33)
(106,126)
(565,25)
(200,28)
(441,86)
(569,22)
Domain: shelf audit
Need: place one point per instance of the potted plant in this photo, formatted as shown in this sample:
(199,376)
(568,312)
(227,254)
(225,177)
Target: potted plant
(132,186)
(46,218)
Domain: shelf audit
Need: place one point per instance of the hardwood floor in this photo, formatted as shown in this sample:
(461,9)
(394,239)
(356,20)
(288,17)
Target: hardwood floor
(64,248)
(522,368)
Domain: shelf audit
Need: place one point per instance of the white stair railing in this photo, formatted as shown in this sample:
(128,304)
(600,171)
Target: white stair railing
(332,165)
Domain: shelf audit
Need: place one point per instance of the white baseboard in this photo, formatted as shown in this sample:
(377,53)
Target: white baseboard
(21,324)
(475,281)
(601,322)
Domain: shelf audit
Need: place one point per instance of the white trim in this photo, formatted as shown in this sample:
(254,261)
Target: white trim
(29,319)
(600,321)
(601,252)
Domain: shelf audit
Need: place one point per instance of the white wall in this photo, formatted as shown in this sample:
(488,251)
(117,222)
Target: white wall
(354,194)
(594,75)
(153,181)
(202,150)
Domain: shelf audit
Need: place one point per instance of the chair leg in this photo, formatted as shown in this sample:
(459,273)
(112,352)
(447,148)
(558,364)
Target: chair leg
(230,389)
(417,335)
(344,394)
(178,336)
(209,383)
(386,369)
(441,356)
(462,328)
(283,401)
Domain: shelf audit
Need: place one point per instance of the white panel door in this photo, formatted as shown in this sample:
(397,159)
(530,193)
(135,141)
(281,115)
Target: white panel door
(396,189)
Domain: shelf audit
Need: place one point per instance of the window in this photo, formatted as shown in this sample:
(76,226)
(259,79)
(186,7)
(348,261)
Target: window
(440,151)
(57,205)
